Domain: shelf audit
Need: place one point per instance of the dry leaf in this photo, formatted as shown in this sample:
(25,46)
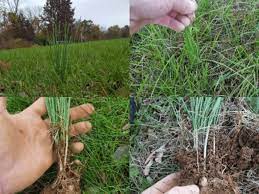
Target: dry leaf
(160,154)
(147,168)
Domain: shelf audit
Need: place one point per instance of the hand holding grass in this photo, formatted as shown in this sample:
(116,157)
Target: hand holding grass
(168,185)
(26,144)
(175,14)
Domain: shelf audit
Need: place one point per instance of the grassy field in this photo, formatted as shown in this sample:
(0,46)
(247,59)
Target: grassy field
(98,68)
(158,129)
(103,171)
(215,56)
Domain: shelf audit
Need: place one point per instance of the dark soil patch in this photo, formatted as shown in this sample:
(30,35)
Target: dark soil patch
(229,154)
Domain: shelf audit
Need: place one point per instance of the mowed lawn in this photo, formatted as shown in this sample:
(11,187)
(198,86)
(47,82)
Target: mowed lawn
(97,68)
(216,55)
(105,158)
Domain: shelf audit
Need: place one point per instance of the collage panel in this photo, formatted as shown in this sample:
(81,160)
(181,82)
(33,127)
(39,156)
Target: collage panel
(180,143)
(214,54)
(67,48)
(90,149)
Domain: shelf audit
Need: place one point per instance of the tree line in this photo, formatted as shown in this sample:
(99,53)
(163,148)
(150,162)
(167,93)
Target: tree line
(26,27)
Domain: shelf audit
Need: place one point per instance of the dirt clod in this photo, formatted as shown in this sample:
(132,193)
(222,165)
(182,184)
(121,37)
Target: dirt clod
(225,162)
(68,180)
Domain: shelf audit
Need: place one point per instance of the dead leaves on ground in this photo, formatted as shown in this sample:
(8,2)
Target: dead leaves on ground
(155,156)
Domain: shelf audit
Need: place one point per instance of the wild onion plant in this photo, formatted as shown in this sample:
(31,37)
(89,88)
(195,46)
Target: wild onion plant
(58,111)
(59,53)
(203,113)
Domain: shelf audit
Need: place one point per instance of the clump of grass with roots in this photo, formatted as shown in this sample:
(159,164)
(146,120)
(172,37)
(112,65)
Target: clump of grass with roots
(206,115)
(67,179)
(203,113)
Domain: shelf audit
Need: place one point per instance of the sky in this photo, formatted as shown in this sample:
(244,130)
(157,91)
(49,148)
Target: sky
(103,12)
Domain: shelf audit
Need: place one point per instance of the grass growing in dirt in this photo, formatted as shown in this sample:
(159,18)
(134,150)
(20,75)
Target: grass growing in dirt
(103,171)
(68,179)
(215,56)
(231,157)
(98,68)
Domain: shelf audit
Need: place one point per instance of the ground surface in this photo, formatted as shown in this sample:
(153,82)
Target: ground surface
(105,168)
(215,56)
(234,164)
(98,68)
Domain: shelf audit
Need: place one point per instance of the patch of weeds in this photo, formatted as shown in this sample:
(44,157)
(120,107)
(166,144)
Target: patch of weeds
(216,55)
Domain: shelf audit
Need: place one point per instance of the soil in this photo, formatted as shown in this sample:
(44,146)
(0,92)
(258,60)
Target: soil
(234,153)
(67,181)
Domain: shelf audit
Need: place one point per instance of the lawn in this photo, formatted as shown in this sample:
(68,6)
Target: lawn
(165,129)
(215,56)
(105,168)
(97,68)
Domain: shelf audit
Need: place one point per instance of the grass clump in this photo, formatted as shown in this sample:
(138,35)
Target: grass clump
(60,53)
(203,113)
(67,181)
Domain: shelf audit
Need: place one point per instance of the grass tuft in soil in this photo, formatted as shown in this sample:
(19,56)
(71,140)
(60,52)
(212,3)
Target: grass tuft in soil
(68,180)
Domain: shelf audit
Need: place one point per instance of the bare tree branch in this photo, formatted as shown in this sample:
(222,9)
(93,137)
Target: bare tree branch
(11,5)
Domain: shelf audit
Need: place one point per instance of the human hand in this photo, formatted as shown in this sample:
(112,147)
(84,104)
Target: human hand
(26,145)
(168,185)
(175,14)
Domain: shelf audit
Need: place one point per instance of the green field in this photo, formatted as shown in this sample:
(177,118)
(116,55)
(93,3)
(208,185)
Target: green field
(103,172)
(215,56)
(97,68)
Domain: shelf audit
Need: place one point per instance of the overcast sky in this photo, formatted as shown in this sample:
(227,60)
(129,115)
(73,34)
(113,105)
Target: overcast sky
(103,12)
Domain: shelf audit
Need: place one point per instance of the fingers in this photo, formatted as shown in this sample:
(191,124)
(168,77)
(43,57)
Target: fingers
(2,104)
(163,185)
(170,22)
(82,111)
(176,25)
(185,6)
(191,189)
(77,147)
(80,128)
(186,21)
(38,107)
(175,21)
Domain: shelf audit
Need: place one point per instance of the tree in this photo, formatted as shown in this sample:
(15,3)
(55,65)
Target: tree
(19,27)
(10,6)
(114,32)
(58,15)
(125,31)
(13,6)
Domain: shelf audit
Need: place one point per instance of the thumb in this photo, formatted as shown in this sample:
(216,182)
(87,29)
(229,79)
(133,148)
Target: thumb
(185,7)
(191,189)
(2,104)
